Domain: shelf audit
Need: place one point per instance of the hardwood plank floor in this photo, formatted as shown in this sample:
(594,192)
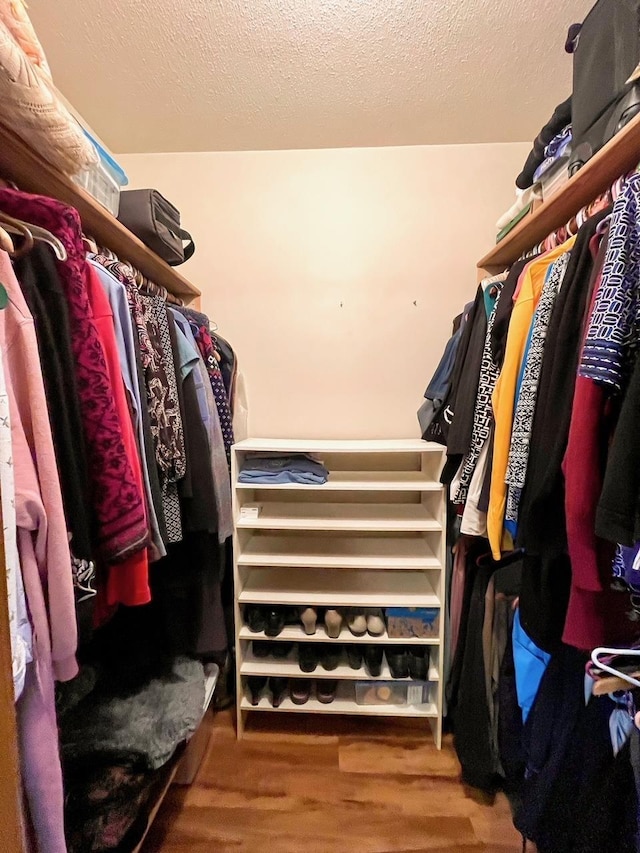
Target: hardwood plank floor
(299,784)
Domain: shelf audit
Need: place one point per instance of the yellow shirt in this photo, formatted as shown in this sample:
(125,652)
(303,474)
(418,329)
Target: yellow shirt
(503,399)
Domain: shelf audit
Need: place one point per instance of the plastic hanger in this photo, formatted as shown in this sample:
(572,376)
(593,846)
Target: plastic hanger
(626,677)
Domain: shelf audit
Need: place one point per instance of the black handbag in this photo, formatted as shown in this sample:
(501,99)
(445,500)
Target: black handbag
(606,87)
(156,222)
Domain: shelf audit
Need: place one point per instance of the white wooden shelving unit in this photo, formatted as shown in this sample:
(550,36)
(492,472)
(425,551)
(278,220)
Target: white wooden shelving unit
(373,536)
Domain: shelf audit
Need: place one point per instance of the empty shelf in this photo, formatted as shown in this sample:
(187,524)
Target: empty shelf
(338,516)
(325,587)
(339,552)
(285,445)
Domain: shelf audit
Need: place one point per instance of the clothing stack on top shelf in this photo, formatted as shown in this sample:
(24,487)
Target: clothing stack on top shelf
(538,417)
(117,424)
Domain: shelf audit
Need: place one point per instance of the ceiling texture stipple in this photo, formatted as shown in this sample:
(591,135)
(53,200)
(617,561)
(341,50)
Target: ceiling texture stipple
(219,75)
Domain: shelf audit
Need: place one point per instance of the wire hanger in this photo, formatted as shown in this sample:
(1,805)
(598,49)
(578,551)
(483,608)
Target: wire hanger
(602,650)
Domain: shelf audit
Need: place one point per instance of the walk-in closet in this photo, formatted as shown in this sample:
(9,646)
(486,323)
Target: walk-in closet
(319,457)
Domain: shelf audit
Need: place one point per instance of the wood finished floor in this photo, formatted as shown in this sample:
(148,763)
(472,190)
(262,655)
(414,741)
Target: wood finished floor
(299,784)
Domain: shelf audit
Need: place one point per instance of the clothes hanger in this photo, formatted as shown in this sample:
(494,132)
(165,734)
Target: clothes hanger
(31,233)
(626,677)
(6,243)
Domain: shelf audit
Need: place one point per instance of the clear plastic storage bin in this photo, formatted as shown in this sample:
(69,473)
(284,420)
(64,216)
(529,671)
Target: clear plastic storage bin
(392,692)
(105,180)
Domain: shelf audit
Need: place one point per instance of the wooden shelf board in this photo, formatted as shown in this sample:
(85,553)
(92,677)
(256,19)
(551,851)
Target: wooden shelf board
(295,634)
(336,552)
(338,516)
(359,481)
(403,445)
(288,667)
(619,156)
(343,706)
(25,167)
(338,588)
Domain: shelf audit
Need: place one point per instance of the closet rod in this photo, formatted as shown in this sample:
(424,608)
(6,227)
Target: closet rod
(26,168)
(619,156)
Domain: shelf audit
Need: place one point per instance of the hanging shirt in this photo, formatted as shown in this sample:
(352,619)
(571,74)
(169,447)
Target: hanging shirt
(528,389)
(504,394)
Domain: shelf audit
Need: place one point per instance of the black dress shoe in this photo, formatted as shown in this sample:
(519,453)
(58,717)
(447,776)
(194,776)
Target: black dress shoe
(308,656)
(281,650)
(262,649)
(398,660)
(354,655)
(330,656)
(418,663)
(373,660)
(326,690)
(256,684)
(300,690)
(278,687)
(274,621)
(255,617)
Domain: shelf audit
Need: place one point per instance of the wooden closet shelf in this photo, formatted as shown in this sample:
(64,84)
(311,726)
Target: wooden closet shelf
(620,155)
(26,168)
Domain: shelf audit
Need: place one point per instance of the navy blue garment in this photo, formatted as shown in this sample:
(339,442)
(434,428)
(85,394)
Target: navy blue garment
(569,756)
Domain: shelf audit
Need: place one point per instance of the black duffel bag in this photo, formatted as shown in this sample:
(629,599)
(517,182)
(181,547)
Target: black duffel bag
(156,222)
(606,75)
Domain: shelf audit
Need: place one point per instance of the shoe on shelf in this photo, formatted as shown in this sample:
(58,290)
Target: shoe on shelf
(418,663)
(309,619)
(376,626)
(373,660)
(398,660)
(274,621)
(255,618)
(281,650)
(354,655)
(357,622)
(262,648)
(330,655)
(300,690)
(326,690)
(279,688)
(333,623)
(308,656)
(256,684)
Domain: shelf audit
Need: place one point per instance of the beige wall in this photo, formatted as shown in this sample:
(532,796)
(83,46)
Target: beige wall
(335,274)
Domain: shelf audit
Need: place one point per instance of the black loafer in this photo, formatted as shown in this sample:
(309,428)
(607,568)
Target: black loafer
(278,687)
(256,684)
(326,690)
(255,618)
(330,656)
(398,660)
(308,656)
(354,655)
(274,621)
(281,650)
(373,660)
(418,663)
(300,690)
(262,649)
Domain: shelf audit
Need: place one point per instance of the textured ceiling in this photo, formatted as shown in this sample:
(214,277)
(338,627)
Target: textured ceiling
(194,75)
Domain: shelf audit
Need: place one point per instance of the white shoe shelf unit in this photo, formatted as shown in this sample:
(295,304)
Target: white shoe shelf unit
(372,536)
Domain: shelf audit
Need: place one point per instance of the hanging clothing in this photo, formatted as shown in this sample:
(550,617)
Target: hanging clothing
(533,279)
(19,625)
(118,503)
(528,391)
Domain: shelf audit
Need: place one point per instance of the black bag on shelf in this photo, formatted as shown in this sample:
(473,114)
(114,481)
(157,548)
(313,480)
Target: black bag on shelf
(156,222)
(606,75)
